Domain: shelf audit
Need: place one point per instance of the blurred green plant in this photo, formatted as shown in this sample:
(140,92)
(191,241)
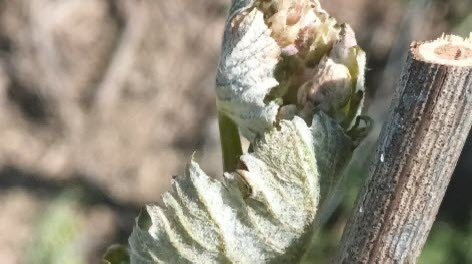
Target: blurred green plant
(116,254)
(463,28)
(57,236)
(448,244)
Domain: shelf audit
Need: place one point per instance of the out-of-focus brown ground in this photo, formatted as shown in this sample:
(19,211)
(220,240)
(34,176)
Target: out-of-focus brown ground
(114,96)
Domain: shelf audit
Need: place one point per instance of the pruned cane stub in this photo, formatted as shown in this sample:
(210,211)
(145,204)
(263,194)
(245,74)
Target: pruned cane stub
(417,151)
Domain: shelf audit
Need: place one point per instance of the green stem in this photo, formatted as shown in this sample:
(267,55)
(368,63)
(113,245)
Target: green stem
(230,143)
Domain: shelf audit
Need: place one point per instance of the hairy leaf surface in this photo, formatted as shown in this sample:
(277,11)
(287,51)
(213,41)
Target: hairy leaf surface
(246,74)
(263,213)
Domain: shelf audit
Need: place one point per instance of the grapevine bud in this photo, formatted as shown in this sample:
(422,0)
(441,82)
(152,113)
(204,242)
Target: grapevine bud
(279,53)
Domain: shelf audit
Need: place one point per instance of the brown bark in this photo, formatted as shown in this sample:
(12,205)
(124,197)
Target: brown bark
(417,152)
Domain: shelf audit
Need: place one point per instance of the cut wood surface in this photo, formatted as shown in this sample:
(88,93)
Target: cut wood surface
(420,143)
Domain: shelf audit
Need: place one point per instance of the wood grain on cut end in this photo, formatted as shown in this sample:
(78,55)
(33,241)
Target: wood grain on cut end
(447,50)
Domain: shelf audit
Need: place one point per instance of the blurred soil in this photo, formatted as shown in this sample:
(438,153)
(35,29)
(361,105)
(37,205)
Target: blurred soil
(113,96)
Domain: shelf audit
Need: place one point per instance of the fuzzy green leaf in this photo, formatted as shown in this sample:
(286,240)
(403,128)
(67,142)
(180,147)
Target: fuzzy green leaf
(262,213)
(246,74)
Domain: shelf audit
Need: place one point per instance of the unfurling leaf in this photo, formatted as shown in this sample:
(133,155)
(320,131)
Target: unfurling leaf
(262,213)
(246,74)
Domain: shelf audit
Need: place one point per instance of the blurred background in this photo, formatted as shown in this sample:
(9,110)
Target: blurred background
(102,101)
